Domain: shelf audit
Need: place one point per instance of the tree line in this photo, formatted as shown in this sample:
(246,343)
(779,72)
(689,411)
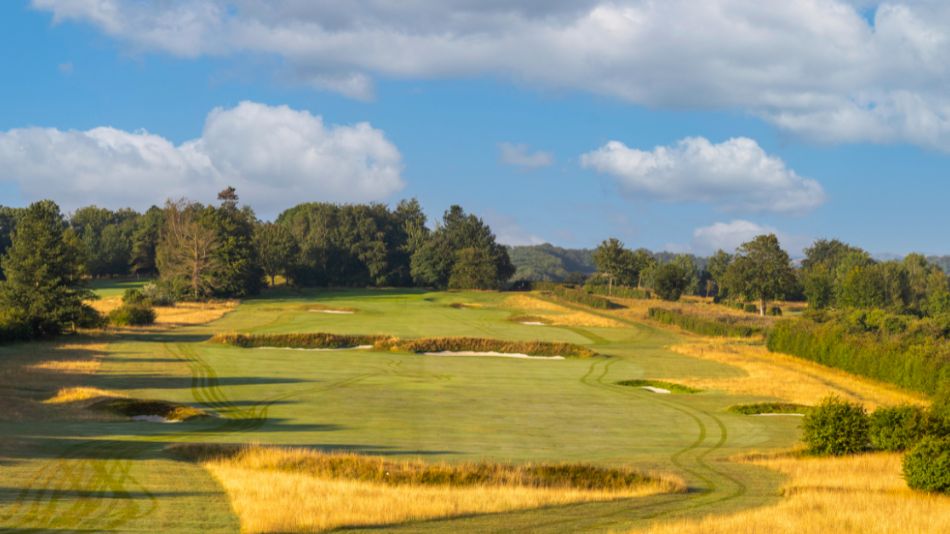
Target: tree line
(196,251)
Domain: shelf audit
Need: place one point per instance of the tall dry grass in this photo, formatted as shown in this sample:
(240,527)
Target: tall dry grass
(181,314)
(80,394)
(556,314)
(299,490)
(784,377)
(862,494)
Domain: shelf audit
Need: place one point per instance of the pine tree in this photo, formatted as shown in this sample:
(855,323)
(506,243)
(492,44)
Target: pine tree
(43,266)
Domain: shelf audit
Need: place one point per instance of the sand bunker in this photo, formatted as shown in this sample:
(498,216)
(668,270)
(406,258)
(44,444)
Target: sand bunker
(533,323)
(656,390)
(492,354)
(320,349)
(154,419)
(335,312)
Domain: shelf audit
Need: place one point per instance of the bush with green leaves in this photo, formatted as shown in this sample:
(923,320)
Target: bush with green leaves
(165,292)
(927,465)
(136,310)
(836,427)
(898,428)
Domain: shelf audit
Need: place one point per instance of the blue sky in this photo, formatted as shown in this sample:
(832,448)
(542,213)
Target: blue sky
(435,125)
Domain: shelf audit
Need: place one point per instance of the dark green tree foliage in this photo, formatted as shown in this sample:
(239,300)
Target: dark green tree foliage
(434,262)
(898,428)
(235,271)
(43,290)
(106,238)
(761,272)
(276,249)
(836,427)
(912,353)
(615,263)
(349,245)
(136,310)
(8,219)
(927,466)
(674,278)
(145,242)
(716,266)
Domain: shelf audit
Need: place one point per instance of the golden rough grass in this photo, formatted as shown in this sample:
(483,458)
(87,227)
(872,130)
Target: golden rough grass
(181,314)
(82,367)
(852,494)
(193,313)
(267,497)
(784,377)
(556,314)
(79,394)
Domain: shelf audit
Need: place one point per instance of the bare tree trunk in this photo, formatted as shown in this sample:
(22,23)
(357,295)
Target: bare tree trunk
(762,306)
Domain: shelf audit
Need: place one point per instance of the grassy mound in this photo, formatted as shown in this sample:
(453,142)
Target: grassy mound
(673,388)
(418,345)
(139,407)
(769,407)
(297,341)
(414,472)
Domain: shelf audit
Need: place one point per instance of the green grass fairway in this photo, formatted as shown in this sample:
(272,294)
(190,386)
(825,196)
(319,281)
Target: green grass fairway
(102,476)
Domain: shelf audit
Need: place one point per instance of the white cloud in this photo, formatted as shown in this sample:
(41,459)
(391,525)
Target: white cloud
(735,174)
(519,155)
(818,68)
(727,235)
(274,155)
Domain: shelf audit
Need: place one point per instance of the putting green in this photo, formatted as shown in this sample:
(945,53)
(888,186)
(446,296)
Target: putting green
(72,475)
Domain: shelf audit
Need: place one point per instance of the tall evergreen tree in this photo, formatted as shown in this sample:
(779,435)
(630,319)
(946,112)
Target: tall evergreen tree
(43,266)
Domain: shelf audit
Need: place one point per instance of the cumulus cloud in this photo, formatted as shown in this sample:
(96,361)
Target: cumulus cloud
(727,235)
(274,155)
(734,175)
(519,155)
(819,68)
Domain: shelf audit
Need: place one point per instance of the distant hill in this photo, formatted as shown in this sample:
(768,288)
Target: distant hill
(548,262)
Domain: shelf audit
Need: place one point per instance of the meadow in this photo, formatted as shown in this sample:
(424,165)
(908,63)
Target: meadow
(65,467)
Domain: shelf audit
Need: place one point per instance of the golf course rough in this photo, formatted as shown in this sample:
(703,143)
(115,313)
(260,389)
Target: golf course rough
(118,475)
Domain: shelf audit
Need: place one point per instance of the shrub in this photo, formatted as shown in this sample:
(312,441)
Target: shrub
(897,428)
(927,466)
(835,427)
(12,328)
(624,292)
(724,326)
(670,386)
(136,310)
(164,292)
(89,317)
(750,308)
(775,311)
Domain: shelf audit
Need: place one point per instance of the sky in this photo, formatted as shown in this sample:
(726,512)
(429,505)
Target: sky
(672,125)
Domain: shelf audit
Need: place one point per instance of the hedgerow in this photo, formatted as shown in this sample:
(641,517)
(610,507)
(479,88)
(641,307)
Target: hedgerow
(725,326)
(898,428)
(580,296)
(917,357)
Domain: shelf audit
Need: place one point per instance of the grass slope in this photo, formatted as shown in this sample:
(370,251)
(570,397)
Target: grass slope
(63,473)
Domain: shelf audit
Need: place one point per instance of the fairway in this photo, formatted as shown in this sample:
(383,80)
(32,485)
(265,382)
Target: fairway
(71,473)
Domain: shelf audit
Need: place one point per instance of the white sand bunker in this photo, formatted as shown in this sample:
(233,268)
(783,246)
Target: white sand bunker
(778,415)
(656,390)
(153,419)
(320,349)
(334,312)
(533,323)
(493,354)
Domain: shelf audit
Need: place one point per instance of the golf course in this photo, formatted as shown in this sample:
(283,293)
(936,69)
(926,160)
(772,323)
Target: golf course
(66,466)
